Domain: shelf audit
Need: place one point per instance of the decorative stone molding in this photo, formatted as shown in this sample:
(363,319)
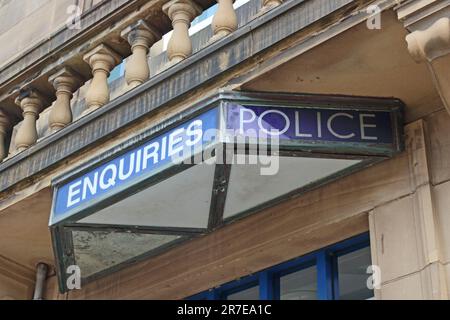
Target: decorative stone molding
(141,37)
(429,40)
(225,20)
(181,12)
(432,43)
(5,126)
(31,102)
(432,46)
(65,82)
(102,60)
(270,4)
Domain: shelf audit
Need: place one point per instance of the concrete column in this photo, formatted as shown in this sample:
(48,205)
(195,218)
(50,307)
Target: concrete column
(181,12)
(432,46)
(5,126)
(65,82)
(102,60)
(31,102)
(141,37)
(225,20)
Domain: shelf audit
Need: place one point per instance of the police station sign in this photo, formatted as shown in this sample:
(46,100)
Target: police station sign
(317,125)
(168,184)
(329,128)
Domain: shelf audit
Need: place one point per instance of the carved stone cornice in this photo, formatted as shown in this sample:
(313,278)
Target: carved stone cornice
(431,43)
(428,22)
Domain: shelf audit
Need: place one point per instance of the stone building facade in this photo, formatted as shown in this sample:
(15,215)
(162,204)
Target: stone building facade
(82,82)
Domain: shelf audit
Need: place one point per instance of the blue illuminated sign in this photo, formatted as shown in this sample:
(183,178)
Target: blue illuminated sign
(312,124)
(135,165)
(366,129)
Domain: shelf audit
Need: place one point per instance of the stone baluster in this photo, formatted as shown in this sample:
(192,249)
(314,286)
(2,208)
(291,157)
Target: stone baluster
(65,82)
(225,20)
(270,4)
(141,37)
(5,126)
(31,102)
(181,12)
(102,60)
(432,46)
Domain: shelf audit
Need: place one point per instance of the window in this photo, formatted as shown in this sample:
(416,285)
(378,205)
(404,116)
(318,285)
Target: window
(251,293)
(352,268)
(299,285)
(338,272)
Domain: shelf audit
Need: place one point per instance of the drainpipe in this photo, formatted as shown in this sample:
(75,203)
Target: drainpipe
(41,277)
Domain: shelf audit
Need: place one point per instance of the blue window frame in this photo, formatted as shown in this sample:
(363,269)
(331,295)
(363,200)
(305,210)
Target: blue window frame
(322,267)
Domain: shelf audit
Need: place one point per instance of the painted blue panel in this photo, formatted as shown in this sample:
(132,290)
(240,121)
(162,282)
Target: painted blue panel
(324,275)
(134,166)
(312,124)
(266,286)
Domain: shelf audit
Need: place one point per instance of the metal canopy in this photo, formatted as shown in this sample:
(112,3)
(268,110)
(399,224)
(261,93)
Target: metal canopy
(138,199)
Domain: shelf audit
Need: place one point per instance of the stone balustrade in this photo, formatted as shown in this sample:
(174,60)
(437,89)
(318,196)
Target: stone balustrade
(31,102)
(65,82)
(102,60)
(65,79)
(225,20)
(141,37)
(181,13)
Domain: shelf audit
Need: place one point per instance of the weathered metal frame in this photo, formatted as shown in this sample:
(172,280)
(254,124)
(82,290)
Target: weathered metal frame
(63,247)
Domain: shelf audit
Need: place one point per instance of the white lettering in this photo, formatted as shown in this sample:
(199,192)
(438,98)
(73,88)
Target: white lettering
(111,182)
(330,126)
(91,185)
(364,126)
(163,148)
(242,120)
(138,161)
(273,132)
(74,190)
(194,131)
(150,155)
(319,124)
(124,176)
(175,139)
(297,127)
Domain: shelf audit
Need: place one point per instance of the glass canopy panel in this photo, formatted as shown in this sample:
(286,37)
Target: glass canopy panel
(248,188)
(96,251)
(181,201)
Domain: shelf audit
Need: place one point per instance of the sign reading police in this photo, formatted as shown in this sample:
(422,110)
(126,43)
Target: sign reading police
(312,124)
(331,129)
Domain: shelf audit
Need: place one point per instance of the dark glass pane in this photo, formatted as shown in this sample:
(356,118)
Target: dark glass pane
(353,275)
(247,294)
(300,285)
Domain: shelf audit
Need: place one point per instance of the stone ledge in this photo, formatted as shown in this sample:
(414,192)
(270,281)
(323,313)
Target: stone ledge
(207,65)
